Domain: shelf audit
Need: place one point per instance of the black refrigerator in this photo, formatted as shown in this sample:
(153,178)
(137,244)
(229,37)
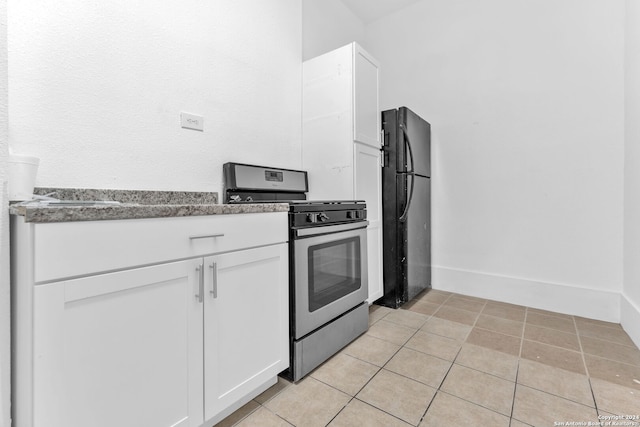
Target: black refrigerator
(406,206)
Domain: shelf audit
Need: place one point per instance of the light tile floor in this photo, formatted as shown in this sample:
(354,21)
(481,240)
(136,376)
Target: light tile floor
(451,360)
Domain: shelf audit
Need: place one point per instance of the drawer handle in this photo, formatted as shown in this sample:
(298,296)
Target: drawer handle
(206,236)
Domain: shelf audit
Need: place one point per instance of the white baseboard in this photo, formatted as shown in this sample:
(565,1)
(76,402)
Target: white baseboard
(574,300)
(630,318)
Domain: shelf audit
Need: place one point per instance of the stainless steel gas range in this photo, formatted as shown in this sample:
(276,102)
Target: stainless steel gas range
(327,261)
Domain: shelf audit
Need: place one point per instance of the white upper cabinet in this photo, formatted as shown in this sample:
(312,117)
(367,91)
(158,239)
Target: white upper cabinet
(341,139)
(366,114)
(339,108)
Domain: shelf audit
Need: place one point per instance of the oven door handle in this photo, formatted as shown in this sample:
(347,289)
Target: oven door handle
(314,231)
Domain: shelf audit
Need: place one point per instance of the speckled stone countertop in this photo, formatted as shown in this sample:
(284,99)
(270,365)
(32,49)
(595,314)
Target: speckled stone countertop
(132,204)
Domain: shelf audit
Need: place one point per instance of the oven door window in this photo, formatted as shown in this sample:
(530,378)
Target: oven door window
(334,271)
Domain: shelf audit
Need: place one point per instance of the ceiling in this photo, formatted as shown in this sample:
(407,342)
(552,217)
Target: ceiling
(370,10)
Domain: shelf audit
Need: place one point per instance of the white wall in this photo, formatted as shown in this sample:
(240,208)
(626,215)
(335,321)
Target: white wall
(5,357)
(526,100)
(630,312)
(327,25)
(96,89)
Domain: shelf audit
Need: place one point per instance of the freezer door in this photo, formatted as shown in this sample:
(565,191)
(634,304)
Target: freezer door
(414,143)
(417,239)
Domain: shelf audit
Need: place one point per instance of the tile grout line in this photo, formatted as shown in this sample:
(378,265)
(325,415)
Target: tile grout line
(524,327)
(515,387)
(260,405)
(439,388)
(374,407)
(548,393)
(631,346)
(584,360)
(586,368)
(613,360)
(341,409)
(553,329)
(474,404)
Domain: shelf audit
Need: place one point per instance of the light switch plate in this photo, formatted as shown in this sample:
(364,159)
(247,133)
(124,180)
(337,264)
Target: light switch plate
(191,121)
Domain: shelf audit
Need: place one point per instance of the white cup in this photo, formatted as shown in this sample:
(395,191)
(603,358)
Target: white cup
(22,176)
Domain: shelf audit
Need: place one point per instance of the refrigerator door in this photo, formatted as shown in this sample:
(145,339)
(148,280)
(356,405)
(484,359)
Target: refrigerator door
(393,198)
(417,239)
(414,140)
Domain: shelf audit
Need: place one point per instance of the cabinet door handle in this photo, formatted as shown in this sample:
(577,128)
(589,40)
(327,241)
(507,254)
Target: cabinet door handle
(214,280)
(200,295)
(205,236)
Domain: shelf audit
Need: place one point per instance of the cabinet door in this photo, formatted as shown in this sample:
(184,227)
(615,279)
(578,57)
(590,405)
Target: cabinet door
(366,114)
(368,179)
(119,349)
(327,124)
(246,324)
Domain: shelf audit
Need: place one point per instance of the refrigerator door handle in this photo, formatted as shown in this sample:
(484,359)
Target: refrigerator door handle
(407,142)
(403,217)
(409,173)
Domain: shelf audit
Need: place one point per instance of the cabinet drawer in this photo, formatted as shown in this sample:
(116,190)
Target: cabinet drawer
(71,249)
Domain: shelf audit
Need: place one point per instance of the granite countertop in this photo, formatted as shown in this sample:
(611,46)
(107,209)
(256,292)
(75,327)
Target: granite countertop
(129,204)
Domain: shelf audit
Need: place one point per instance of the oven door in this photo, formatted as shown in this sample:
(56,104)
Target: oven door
(330,273)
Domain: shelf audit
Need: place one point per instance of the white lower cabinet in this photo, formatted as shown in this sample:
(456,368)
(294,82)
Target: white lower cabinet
(174,344)
(119,349)
(246,325)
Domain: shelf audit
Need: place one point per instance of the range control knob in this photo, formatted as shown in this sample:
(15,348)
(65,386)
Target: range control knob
(322,217)
(312,217)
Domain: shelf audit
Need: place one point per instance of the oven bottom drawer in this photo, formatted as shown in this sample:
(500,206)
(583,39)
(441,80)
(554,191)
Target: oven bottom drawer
(310,351)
